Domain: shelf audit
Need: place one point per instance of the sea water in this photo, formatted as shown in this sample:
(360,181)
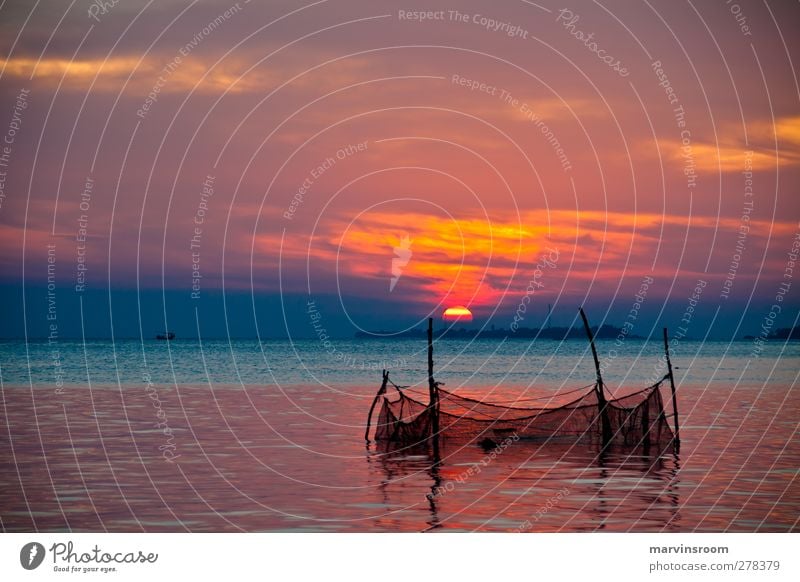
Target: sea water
(269,436)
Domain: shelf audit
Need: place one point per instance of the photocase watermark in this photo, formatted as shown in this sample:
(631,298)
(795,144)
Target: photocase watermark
(317,172)
(402,256)
(183,52)
(679,114)
(474,469)
(52,320)
(489,24)
(66,559)
(780,294)
(739,17)
(10,137)
(744,227)
(168,448)
(315,317)
(100,8)
(543,510)
(530,114)
(95,560)
(537,120)
(206,193)
(474,85)
(546,261)
(629,323)
(691,307)
(568,20)
(693,300)
(31,555)
(82,236)
(420,15)
(485,22)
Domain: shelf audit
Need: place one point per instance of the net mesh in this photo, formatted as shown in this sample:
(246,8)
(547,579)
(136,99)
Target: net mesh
(635,419)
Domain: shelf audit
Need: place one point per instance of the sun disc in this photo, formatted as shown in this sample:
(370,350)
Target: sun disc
(457,313)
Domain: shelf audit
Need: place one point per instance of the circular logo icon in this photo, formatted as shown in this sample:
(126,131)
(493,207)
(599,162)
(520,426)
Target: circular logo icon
(31,555)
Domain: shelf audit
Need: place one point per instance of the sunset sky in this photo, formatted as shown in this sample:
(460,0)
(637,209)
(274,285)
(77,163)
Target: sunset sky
(241,159)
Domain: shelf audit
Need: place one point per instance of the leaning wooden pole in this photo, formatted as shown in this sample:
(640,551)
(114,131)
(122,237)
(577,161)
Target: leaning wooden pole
(674,395)
(380,393)
(601,397)
(433,391)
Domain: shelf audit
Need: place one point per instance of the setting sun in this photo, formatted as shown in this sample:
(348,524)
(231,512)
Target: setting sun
(457,313)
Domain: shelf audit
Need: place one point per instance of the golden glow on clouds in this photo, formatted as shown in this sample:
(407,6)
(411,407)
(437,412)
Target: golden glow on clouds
(112,75)
(785,129)
(233,74)
(710,158)
(788,129)
(77,69)
(472,261)
(729,155)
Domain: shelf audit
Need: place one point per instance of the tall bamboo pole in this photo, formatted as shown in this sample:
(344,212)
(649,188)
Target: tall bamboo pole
(601,397)
(674,395)
(433,391)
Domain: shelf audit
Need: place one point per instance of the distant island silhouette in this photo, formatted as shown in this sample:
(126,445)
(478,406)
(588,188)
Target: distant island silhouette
(552,333)
(791,333)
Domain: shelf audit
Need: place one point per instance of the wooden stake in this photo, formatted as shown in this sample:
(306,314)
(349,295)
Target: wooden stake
(674,395)
(601,397)
(380,393)
(433,391)
(646,425)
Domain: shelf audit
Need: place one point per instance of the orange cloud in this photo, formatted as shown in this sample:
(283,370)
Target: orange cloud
(788,129)
(710,158)
(112,74)
(730,153)
(179,74)
(75,69)
(472,261)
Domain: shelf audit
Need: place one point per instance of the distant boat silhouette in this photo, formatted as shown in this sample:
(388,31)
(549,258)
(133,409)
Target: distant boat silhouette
(169,335)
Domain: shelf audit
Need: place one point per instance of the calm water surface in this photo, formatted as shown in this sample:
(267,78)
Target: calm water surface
(269,437)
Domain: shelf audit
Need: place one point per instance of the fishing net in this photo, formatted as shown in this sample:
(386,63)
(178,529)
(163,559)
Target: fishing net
(636,419)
